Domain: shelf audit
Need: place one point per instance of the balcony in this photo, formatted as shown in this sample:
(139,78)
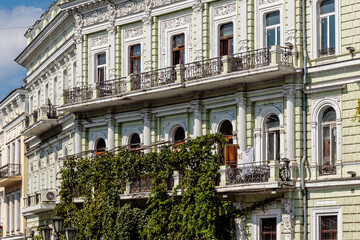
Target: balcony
(210,74)
(37,202)
(9,174)
(40,121)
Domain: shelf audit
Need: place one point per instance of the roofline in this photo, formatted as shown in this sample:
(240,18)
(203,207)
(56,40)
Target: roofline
(12,93)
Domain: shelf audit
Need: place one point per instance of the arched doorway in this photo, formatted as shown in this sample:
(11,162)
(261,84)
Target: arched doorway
(230,150)
(100,146)
(179,136)
(226,129)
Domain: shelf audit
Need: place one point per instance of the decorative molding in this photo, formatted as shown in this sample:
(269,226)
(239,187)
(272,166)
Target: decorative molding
(225,9)
(99,41)
(291,36)
(176,21)
(197,6)
(169,125)
(111,9)
(79,22)
(243,46)
(218,117)
(240,226)
(134,32)
(262,2)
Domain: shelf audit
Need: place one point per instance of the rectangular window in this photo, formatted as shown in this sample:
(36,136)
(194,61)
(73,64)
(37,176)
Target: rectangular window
(17,209)
(268,229)
(328,228)
(101,67)
(178,49)
(135,58)
(226,39)
(55,90)
(65,80)
(46,94)
(273,29)
(73,74)
(31,104)
(39,98)
(327,28)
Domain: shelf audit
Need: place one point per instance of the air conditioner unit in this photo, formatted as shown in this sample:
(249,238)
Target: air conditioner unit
(48,195)
(28,232)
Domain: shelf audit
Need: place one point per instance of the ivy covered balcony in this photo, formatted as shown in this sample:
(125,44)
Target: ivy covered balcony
(40,120)
(253,66)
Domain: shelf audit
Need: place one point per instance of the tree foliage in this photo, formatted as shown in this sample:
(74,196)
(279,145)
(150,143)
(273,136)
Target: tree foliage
(191,210)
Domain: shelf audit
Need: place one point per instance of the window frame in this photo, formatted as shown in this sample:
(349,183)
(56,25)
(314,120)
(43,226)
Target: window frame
(137,58)
(315,28)
(100,66)
(276,27)
(226,39)
(180,49)
(276,132)
(327,17)
(315,220)
(257,220)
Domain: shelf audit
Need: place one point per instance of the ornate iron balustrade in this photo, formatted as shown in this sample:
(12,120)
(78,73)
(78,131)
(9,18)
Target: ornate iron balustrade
(141,184)
(153,78)
(327,169)
(52,113)
(250,60)
(77,94)
(112,87)
(10,170)
(249,173)
(204,68)
(27,121)
(326,51)
(285,55)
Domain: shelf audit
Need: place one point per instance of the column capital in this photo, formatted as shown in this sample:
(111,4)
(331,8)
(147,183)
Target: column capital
(289,92)
(111,13)
(241,100)
(197,6)
(78,124)
(146,114)
(196,107)
(147,19)
(110,119)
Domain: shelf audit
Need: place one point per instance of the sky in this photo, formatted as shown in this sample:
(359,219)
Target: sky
(16,16)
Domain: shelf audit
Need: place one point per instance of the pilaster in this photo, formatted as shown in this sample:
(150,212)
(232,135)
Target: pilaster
(241,102)
(111,131)
(146,115)
(198,22)
(288,218)
(196,107)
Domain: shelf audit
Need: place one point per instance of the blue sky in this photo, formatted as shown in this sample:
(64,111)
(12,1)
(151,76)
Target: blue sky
(15,17)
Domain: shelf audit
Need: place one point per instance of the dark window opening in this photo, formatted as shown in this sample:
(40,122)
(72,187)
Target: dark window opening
(100,147)
(268,229)
(179,135)
(135,141)
(328,228)
(178,49)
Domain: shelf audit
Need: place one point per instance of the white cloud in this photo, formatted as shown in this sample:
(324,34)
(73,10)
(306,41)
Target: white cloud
(12,43)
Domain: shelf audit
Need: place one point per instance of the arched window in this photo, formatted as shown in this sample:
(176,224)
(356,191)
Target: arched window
(134,141)
(100,146)
(272,131)
(328,137)
(179,135)
(230,150)
(327,28)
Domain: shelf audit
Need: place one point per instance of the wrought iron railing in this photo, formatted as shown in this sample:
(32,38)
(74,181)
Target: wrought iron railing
(51,113)
(326,51)
(112,87)
(10,170)
(327,169)
(153,78)
(141,184)
(249,173)
(204,68)
(285,55)
(250,60)
(77,94)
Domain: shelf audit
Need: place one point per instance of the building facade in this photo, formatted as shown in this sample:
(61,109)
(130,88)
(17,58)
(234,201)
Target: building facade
(13,171)
(281,81)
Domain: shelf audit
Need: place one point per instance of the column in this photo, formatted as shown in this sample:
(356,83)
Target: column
(288,218)
(112,38)
(79,45)
(198,19)
(146,115)
(11,153)
(111,132)
(78,142)
(241,127)
(196,108)
(290,123)
(147,48)
(17,151)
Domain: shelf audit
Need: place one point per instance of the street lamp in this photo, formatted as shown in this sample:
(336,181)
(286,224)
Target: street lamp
(70,233)
(58,223)
(46,232)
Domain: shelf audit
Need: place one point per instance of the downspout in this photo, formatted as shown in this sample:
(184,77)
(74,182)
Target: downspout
(303,189)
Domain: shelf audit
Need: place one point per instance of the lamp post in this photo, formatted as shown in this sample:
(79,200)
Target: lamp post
(70,233)
(46,232)
(58,223)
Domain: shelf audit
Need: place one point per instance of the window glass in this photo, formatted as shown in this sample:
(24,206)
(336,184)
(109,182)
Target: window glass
(135,58)
(273,121)
(136,50)
(178,49)
(226,39)
(332,31)
(328,227)
(273,18)
(101,59)
(329,115)
(324,28)
(268,228)
(226,30)
(327,7)
(271,37)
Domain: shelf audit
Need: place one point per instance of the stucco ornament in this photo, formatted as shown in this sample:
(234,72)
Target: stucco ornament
(99,41)
(240,226)
(111,12)
(261,2)
(133,32)
(197,6)
(225,9)
(78,26)
(288,218)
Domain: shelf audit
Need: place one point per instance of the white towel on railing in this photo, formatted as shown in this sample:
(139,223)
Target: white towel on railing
(248,156)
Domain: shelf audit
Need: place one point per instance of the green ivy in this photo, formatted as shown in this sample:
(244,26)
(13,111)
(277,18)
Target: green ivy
(192,211)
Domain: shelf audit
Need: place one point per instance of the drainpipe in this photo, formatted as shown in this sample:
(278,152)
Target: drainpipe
(303,189)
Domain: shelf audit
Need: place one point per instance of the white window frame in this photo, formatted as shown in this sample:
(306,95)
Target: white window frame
(318,108)
(216,23)
(38,100)
(93,66)
(316,213)
(31,103)
(55,86)
(276,131)
(65,81)
(256,222)
(127,43)
(100,66)
(272,27)
(315,27)
(73,68)
(263,10)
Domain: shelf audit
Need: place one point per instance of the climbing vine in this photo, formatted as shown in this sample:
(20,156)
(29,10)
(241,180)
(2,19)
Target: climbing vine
(191,211)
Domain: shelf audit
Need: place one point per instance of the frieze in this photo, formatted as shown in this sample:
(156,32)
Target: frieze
(225,9)
(262,2)
(177,21)
(133,32)
(99,41)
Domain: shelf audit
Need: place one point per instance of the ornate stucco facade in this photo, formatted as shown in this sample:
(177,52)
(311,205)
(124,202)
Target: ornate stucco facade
(103,74)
